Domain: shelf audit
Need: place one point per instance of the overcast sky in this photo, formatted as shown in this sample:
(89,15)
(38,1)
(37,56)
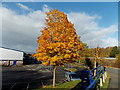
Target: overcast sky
(96,23)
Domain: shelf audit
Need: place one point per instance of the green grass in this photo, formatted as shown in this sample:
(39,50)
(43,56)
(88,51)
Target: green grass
(78,65)
(71,69)
(70,84)
(65,86)
(105,85)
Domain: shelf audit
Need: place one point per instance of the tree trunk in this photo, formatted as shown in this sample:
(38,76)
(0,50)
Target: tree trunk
(54,73)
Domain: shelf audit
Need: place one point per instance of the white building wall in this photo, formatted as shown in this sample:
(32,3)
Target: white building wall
(7,57)
(7,54)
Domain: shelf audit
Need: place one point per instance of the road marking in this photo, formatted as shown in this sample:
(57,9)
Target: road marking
(12,86)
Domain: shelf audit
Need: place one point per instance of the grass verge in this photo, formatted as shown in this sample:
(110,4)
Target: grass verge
(105,85)
(65,86)
(71,69)
(70,84)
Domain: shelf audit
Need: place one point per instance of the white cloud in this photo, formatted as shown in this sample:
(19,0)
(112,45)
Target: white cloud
(110,42)
(21,31)
(24,7)
(89,30)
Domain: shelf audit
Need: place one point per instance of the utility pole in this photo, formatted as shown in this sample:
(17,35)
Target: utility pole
(96,58)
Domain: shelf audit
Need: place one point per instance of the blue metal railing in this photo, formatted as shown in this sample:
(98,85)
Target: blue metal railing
(94,79)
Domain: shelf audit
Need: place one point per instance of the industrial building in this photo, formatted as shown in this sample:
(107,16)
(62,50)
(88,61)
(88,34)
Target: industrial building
(11,56)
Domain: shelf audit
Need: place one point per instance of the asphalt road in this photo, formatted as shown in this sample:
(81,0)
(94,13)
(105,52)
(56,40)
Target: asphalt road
(114,74)
(23,77)
(29,77)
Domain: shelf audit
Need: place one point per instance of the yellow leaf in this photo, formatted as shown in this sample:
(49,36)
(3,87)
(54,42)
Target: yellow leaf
(66,56)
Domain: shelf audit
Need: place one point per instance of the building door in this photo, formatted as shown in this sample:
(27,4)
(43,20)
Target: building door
(14,62)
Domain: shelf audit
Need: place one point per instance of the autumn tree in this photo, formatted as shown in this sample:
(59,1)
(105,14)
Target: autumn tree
(87,52)
(84,53)
(114,51)
(104,52)
(59,43)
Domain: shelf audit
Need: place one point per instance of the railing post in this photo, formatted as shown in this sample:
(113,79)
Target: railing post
(103,78)
(105,75)
(94,67)
(101,82)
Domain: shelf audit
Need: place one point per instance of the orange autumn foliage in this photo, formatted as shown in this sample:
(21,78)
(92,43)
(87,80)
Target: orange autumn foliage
(59,43)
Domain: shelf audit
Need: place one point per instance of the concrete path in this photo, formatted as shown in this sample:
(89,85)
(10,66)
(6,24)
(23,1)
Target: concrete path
(114,74)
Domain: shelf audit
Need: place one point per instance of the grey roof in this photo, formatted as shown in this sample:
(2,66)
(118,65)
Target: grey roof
(12,49)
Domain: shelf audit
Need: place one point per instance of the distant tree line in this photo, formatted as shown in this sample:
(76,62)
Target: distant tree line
(88,56)
(102,52)
(28,59)
(114,52)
